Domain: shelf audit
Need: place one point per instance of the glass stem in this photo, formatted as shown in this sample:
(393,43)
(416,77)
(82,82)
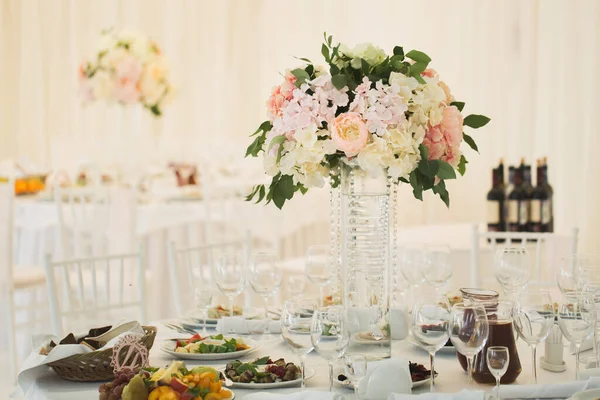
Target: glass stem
(497,388)
(231,330)
(330,375)
(431,365)
(267,330)
(470,371)
(577,348)
(534,363)
(204,315)
(302,365)
(321,297)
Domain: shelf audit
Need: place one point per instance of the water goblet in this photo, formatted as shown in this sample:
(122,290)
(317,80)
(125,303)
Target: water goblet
(265,277)
(330,335)
(430,323)
(577,320)
(355,369)
(497,359)
(533,318)
(320,268)
(511,268)
(469,329)
(437,269)
(296,322)
(203,298)
(229,273)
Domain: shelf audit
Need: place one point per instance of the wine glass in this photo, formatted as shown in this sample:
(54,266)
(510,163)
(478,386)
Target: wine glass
(265,277)
(437,269)
(296,285)
(594,290)
(355,368)
(577,319)
(296,322)
(576,270)
(511,268)
(320,268)
(412,260)
(430,322)
(230,276)
(203,298)
(497,359)
(469,329)
(534,317)
(330,335)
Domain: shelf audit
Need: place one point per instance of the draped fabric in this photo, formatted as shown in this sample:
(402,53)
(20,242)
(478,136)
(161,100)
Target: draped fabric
(532,66)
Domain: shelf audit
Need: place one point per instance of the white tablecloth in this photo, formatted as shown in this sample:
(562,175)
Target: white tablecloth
(451,377)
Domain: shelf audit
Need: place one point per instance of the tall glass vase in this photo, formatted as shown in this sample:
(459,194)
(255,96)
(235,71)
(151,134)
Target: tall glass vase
(362,231)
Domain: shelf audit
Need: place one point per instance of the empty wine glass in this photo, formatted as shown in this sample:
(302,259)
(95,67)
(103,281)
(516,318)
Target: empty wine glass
(229,273)
(412,260)
(576,270)
(437,269)
(265,277)
(430,322)
(320,268)
(296,285)
(296,322)
(330,335)
(577,320)
(203,298)
(355,368)
(534,317)
(594,290)
(497,359)
(469,329)
(511,268)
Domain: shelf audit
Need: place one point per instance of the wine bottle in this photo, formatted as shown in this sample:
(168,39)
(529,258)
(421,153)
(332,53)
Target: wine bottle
(495,203)
(511,179)
(525,206)
(501,175)
(517,204)
(541,203)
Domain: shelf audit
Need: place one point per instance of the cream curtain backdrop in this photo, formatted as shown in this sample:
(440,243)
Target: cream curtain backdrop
(532,66)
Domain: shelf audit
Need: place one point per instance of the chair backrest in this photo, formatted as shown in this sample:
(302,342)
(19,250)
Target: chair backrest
(96,289)
(7,194)
(546,250)
(187,263)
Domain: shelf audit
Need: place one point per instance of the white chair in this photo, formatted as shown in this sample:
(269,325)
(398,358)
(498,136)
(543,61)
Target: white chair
(96,290)
(202,258)
(17,281)
(545,248)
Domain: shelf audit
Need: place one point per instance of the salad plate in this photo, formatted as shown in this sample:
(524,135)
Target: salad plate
(265,374)
(217,347)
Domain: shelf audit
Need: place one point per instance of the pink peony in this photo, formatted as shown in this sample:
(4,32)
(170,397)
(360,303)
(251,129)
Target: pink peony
(349,133)
(452,125)
(443,140)
(280,94)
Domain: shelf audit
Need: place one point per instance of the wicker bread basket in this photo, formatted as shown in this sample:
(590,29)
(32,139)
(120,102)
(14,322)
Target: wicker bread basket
(95,366)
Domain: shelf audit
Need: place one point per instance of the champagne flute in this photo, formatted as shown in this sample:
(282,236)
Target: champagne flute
(497,359)
(469,329)
(437,269)
(203,298)
(511,268)
(577,319)
(534,317)
(330,335)
(265,278)
(229,273)
(320,268)
(355,368)
(296,322)
(430,322)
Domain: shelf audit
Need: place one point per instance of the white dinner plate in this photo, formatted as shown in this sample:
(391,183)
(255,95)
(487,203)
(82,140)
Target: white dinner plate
(592,394)
(349,384)
(310,372)
(169,348)
(197,323)
(445,349)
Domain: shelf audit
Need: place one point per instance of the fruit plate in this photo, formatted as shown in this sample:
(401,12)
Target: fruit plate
(310,372)
(169,348)
(445,349)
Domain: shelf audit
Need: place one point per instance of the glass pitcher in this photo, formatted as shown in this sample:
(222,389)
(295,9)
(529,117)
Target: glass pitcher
(501,333)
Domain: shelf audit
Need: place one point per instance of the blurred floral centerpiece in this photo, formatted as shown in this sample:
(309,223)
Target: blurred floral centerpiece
(368,110)
(127,68)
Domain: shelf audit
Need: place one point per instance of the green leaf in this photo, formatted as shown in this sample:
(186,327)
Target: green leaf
(261,361)
(440,190)
(286,186)
(417,68)
(476,121)
(445,170)
(253,192)
(256,146)
(420,79)
(416,185)
(469,140)
(365,66)
(333,69)
(261,195)
(399,51)
(339,81)
(264,127)
(402,179)
(276,140)
(458,104)
(301,76)
(418,56)
(304,59)
(325,52)
(424,151)
(462,165)
(309,69)
(428,167)
(278,199)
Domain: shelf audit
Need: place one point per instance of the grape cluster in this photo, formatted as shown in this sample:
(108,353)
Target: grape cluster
(113,390)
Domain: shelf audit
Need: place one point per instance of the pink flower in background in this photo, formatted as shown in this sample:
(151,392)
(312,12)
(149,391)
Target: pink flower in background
(443,140)
(452,125)
(349,133)
(128,74)
(288,86)
(280,94)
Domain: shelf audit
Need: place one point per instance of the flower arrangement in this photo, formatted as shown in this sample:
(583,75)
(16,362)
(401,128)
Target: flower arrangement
(128,68)
(368,110)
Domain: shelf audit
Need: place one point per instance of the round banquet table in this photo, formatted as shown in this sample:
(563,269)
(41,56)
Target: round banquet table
(451,377)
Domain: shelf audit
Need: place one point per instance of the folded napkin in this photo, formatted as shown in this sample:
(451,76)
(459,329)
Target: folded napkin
(462,395)
(385,377)
(554,391)
(246,326)
(306,395)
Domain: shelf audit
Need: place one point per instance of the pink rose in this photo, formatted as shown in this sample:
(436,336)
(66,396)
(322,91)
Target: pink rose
(452,156)
(443,140)
(452,125)
(349,133)
(435,149)
(275,101)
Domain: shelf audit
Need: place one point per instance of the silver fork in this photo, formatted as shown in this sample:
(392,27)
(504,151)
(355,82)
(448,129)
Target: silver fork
(179,328)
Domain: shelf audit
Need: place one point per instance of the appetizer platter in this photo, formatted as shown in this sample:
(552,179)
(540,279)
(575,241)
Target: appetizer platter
(215,314)
(172,382)
(214,347)
(264,373)
(419,375)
